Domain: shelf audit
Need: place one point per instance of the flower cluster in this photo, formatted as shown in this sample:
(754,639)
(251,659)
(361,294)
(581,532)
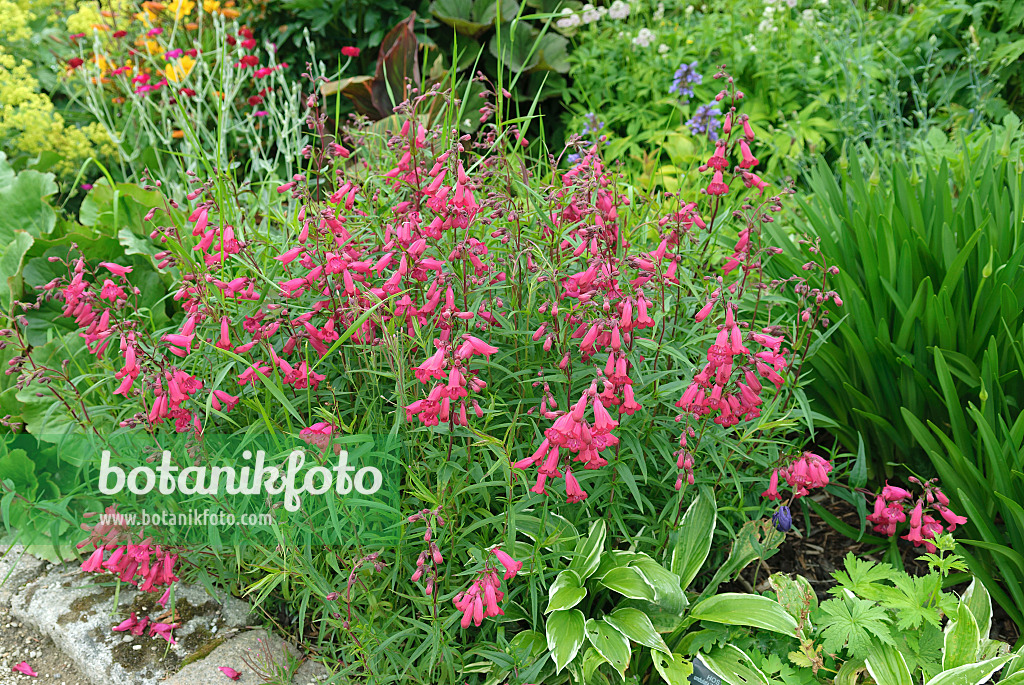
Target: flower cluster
(573,435)
(449,365)
(890,511)
(644,38)
(705,121)
(685,78)
(143,564)
(589,14)
(481,599)
(729,383)
(802,474)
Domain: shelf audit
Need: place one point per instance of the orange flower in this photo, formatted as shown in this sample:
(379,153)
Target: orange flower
(192,26)
(118,100)
(177,133)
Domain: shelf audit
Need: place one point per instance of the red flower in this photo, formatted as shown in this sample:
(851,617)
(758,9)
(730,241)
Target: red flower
(120,34)
(249,61)
(75,62)
(717,185)
(249,43)
(188,92)
(255,100)
(350,52)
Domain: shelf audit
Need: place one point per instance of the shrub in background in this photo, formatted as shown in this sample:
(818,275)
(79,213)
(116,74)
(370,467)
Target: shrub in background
(35,130)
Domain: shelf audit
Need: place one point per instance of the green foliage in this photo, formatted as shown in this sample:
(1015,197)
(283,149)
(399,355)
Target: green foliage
(978,451)
(891,624)
(590,632)
(930,257)
(851,623)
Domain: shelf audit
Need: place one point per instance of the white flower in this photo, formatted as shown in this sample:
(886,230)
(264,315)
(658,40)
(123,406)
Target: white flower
(689,10)
(590,14)
(619,10)
(659,13)
(807,15)
(662,49)
(817,59)
(569,19)
(791,3)
(644,38)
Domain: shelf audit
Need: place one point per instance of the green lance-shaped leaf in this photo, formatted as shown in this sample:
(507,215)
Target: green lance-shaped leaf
(565,634)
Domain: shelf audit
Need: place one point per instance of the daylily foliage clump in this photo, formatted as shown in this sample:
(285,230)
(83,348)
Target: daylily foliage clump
(552,345)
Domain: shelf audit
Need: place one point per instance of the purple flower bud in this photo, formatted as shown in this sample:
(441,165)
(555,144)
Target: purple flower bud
(782,519)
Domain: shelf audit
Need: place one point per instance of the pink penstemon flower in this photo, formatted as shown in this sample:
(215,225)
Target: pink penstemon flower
(890,510)
(482,598)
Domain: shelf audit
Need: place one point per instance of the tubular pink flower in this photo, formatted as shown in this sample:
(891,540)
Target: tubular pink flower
(717,185)
(572,488)
(512,567)
(772,492)
(718,160)
(94,564)
(748,161)
(891,493)
(116,269)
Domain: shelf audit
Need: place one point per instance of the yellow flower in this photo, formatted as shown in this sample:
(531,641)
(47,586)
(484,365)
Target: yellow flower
(211,6)
(177,72)
(30,124)
(183,8)
(154,48)
(14,22)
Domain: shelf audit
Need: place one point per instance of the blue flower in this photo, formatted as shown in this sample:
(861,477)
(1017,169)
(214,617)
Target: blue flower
(593,124)
(685,78)
(782,519)
(705,120)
